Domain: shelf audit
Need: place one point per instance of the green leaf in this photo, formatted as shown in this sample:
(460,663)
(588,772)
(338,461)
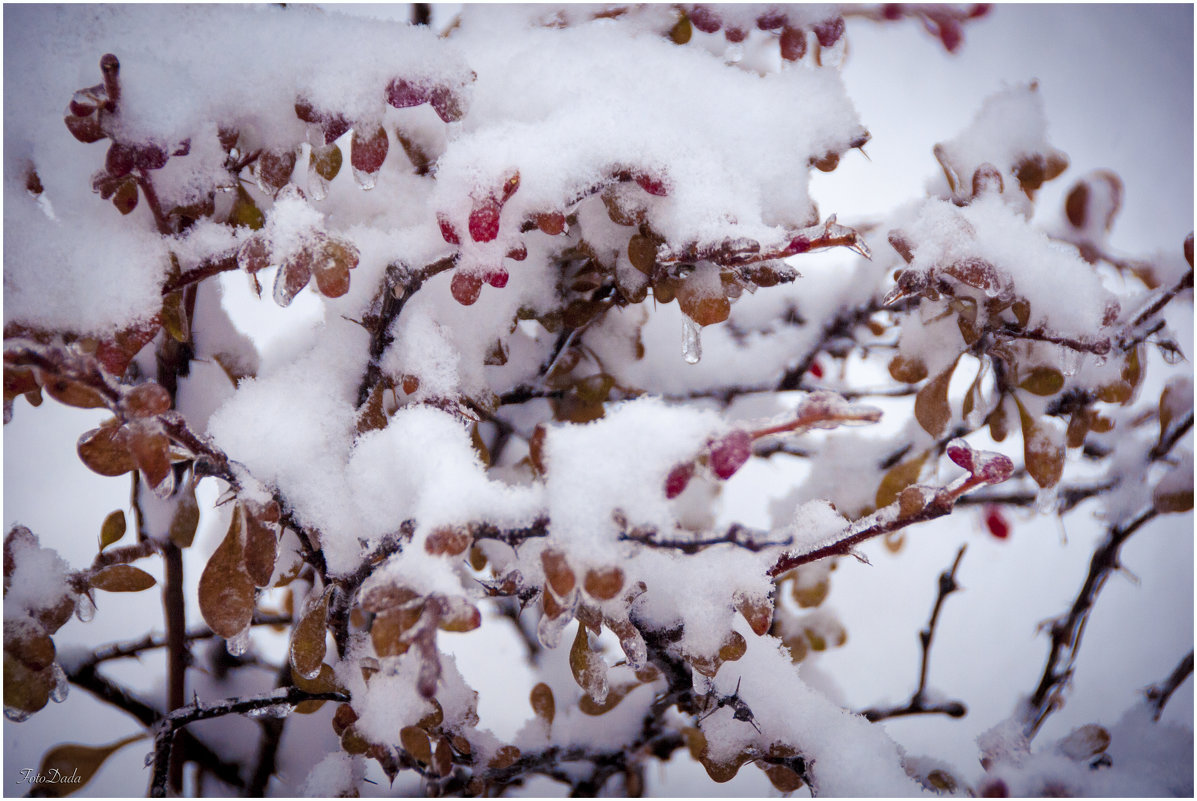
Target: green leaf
(1043,381)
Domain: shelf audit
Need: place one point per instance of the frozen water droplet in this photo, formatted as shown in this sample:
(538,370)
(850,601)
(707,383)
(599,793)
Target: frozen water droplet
(61,685)
(16,715)
(238,645)
(691,341)
(85,610)
(317,186)
(276,711)
(1070,361)
(149,759)
(1047,500)
(365,179)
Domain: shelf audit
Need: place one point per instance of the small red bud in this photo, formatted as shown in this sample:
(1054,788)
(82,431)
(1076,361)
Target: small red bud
(705,19)
(730,453)
(484,220)
(497,277)
(816,369)
(960,453)
(402,94)
(678,478)
(651,184)
(447,230)
(829,31)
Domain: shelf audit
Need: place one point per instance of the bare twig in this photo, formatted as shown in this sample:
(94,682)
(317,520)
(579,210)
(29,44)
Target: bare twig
(917,705)
(736,534)
(1158,694)
(1067,631)
(150,642)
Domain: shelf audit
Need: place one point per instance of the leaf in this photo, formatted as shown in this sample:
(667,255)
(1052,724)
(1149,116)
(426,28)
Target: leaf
(908,371)
(25,689)
(147,400)
(325,681)
(898,478)
(931,404)
(122,578)
(326,161)
(783,778)
(185,520)
(125,198)
(603,583)
(174,317)
(150,450)
(245,212)
(112,529)
(758,611)
(71,760)
(105,451)
(226,592)
(589,706)
(505,757)
(29,643)
(557,571)
(1084,743)
(589,668)
(415,742)
(1043,454)
(1043,381)
(73,393)
(387,630)
(261,541)
(542,703)
(308,645)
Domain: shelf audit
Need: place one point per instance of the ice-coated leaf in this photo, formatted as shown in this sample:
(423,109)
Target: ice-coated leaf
(758,611)
(25,689)
(442,758)
(147,400)
(308,645)
(723,771)
(80,762)
(1043,381)
(557,572)
(185,520)
(112,529)
(458,614)
(29,643)
(121,578)
(226,592)
(388,631)
(504,757)
(733,647)
(261,541)
(245,212)
(73,393)
(1042,452)
(603,583)
(325,681)
(105,451)
(589,668)
(448,541)
(931,403)
(326,161)
(783,778)
(542,702)
(1084,743)
(150,450)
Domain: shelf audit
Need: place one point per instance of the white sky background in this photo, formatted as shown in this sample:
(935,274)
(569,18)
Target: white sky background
(1118,87)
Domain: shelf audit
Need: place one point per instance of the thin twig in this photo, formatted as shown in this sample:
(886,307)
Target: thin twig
(150,642)
(736,534)
(917,705)
(1158,694)
(1067,632)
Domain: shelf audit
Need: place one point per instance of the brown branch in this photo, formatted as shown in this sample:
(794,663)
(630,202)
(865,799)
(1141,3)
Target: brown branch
(1186,282)
(917,705)
(386,309)
(197,711)
(150,642)
(1066,632)
(736,534)
(207,269)
(1158,694)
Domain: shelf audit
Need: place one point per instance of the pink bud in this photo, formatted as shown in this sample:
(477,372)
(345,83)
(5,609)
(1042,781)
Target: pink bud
(678,478)
(730,453)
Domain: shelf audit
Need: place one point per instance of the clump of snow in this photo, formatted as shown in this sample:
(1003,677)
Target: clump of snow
(334,776)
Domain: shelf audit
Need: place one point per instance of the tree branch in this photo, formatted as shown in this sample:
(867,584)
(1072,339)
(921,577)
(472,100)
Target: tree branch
(1158,694)
(917,705)
(1066,633)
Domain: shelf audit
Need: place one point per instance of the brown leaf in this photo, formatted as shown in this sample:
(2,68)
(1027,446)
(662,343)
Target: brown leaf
(783,778)
(121,578)
(293,276)
(734,647)
(261,541)
(150,450)
(326,161)
(73,393)
(75,761)
(147,400)
(415,742)
(25,690)
(589,668)
(557,571)
(505,757)
(112,529)
(603,583)
(758,611)
(226,592)
(1043,381)
(185,520)
(1043,456)
(29,643)
(542,702)
(105,451)
(448,541)
(908,371)
(931,404)
(459,615)
(308,645)
(174,317)
(701,305)
(388,628)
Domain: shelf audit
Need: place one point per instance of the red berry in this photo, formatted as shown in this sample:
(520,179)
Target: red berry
(447,230)
(793,43)
(678,478)
(465,287)
(816,369)
(484,220)
(730,453)
(829,31)
(996,522)
(705,19)
(497,277)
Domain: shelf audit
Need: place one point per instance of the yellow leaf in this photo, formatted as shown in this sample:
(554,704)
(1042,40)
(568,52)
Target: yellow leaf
(898,478)
(112,529)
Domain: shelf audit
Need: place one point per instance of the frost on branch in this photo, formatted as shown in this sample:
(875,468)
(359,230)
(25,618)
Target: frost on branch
(462,419)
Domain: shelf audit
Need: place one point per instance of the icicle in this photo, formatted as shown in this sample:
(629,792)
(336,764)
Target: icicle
(61,685)
(317,186)
(85,610)
(238,645)
(365,179)
(691,341)
(149,759)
